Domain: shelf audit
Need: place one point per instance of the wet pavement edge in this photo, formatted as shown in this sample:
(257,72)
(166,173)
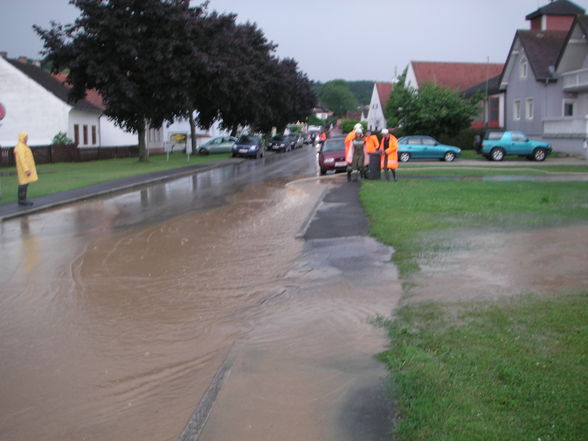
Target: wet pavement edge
(13,210)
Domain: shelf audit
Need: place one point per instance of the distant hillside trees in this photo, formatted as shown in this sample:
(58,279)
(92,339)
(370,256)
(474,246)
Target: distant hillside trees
(157,60)
(337,97)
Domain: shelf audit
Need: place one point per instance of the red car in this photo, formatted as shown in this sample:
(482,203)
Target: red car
(332,155)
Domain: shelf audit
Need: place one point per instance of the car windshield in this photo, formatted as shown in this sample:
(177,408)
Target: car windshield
(334,144)
(247,139)
(278,138)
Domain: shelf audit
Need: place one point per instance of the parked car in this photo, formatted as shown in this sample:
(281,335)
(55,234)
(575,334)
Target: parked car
(331,156)
(497,144)
(280,143)
(296,140)
(220,144)
(248,145)
(425,147)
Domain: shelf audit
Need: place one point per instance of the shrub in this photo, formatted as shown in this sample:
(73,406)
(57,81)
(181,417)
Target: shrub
(61,139)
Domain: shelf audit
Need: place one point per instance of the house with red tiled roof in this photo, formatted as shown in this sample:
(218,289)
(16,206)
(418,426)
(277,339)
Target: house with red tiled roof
(456,76)
(110,134)
(380,95)
(36,102)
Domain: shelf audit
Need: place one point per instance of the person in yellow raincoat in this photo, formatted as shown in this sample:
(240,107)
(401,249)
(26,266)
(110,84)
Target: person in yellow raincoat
(389,148)
(25,167)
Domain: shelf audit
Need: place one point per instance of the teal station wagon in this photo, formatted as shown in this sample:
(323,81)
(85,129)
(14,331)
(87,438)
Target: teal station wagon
(497,144)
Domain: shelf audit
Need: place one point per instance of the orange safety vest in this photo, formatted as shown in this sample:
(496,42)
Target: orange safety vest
(390,157)
(371,144)
(348,139)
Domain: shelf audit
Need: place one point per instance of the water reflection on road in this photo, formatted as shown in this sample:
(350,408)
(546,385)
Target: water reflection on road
(114,313)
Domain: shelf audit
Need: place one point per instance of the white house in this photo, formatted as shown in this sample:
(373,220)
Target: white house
(36,103)
(380,94)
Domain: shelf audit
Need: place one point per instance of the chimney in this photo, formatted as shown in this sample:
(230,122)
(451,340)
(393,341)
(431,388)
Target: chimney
(3,54)
(23,60)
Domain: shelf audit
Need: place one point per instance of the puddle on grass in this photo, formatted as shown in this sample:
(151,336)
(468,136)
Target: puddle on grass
(473,266)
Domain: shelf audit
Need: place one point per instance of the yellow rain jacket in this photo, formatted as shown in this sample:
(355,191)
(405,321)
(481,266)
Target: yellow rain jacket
(25,163)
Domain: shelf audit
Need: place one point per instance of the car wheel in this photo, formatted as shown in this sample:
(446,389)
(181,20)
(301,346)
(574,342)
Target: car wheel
(323,171)
(539,154)
(234,155)
(203,151)
(404,157)
(449,156)
(497,154)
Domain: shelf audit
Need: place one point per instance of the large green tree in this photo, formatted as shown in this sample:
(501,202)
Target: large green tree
(129,51)
(157,60)
(432,109)
(337,97)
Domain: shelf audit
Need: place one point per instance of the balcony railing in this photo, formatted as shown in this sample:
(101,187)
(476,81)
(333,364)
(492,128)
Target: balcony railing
(566,126)
(576,80)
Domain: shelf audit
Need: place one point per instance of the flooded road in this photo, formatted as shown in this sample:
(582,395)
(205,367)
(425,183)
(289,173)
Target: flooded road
(116,313)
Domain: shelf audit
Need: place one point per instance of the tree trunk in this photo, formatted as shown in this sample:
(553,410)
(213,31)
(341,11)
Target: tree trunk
(193,133)
(142,147)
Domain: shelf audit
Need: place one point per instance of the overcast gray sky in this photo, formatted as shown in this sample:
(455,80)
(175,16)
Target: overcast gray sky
(353,40)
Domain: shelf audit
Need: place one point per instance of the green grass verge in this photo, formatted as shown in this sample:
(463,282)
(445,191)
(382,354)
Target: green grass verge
(400,211)
(516,370)
(64,176)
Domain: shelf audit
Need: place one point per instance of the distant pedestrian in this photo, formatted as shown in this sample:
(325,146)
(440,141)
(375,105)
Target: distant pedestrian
(25,167)
(389,148)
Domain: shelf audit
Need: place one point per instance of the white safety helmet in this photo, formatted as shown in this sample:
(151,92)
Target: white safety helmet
(384,131)
(358,131)
(358,126)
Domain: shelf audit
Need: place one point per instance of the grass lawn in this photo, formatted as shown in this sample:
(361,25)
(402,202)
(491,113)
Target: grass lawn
(69,175)
(514,369)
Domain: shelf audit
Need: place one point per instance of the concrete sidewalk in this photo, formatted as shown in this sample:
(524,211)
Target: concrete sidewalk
(12,210)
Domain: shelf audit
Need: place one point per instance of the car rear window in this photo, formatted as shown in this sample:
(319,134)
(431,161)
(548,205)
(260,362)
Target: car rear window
(334,144)
(493,135)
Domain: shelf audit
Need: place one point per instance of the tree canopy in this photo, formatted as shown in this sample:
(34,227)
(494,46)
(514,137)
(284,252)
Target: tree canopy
(337,97)
(432,109)
(157,60)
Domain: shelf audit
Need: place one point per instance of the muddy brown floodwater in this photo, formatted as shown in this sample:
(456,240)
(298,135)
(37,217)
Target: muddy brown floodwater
(115,334)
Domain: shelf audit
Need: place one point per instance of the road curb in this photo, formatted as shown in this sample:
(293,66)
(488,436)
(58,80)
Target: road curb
(140,181)
(200,415)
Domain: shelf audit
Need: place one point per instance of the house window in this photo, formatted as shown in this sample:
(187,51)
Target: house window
(516,110)
(529,108)
(94,135)
(77,134)
(568,107)
(85,131)
(523,68)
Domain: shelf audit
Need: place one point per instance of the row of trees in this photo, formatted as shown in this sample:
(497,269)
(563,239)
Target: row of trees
(154,61)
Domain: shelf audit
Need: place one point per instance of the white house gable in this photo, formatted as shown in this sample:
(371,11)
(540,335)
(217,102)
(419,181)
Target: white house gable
(30,108)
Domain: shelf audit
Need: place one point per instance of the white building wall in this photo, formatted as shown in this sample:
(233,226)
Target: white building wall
(375,118)
(30,108)
(113,136)
(410,80)
(88,121)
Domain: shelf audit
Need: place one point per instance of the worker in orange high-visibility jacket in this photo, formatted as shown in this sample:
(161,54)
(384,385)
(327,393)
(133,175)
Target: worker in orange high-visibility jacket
(389,148)
(349,139)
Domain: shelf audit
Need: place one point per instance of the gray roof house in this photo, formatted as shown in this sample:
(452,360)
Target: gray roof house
(568,126)
(537,103)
